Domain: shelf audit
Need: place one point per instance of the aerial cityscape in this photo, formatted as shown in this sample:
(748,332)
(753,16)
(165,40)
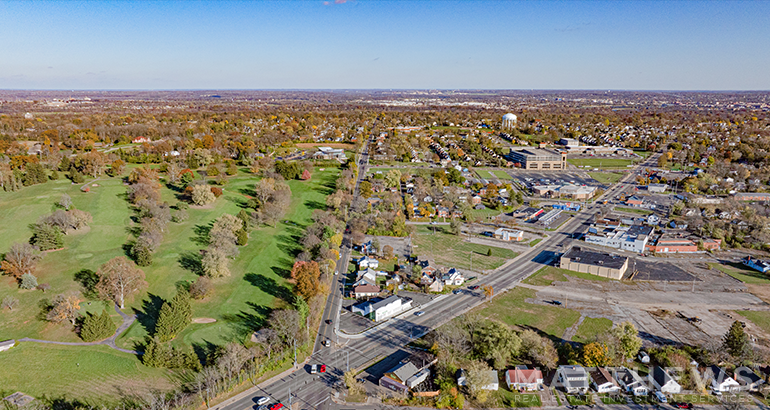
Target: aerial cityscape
(354,204)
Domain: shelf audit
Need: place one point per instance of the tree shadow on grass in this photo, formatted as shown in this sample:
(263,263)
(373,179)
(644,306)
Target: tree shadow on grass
(328,186)
(88,280)
(148,315)
(289,244)
(191,261)
(206,351)
(244,323)
(202,234)
(239,201)
(269,286)
(315,205)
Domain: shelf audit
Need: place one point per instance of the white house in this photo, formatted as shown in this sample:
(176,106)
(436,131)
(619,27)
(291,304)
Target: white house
(663,381)
(524,379)
(368,263)
(720,380)
(574,379)
(603,381)
(380,309)
(368,276)
(630,381)
(6,345)
(453,277)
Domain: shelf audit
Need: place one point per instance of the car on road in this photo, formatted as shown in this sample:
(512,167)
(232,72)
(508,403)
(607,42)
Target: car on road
(328,321)
(474,287)
(275,406)
(263,400)
(420,313)
(681,405)
(263,407)
(313,368)
(322,368)
(659,396)
(456,291)
(327,342)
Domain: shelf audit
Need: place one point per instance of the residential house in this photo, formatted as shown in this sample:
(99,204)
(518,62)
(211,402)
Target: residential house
(509,234)
(635,201)
(630,381)
(573,378)
(368,276)
(140,140)
(490,379)
(365,291)
(436,286)
(442,212)
(603,381)
(475,200)
(367,262)
(452,277)
(524,379)
(367,248)
(720,380)
(756,264)
(663,381)
(747,379)
(379,309)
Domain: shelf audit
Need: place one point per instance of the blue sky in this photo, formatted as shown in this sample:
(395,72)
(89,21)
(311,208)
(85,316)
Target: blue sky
(655,45)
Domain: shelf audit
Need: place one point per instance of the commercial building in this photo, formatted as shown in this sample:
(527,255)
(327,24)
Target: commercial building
(509,234)
(657,188)
(408,373)
(380,309)
(330,153)
(605,265)
(551,216)
(752,196)
(564,191)
(537,158)
(628,238)
(665,244)
(569,142)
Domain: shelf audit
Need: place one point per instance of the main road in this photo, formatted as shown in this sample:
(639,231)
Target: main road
(313,391)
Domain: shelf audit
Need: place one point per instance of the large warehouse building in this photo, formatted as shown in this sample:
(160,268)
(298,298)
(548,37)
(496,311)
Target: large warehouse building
(536,158)
(606,265)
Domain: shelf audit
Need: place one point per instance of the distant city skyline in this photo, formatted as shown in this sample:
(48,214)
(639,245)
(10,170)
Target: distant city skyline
(362,44)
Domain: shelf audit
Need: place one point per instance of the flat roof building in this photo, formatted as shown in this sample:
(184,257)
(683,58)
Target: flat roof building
(632,238)
(537,158)
(605,265)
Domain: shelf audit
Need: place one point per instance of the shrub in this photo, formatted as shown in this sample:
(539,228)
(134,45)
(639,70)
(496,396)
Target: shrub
(44,287)
(242,237)
(202,195)
(28,281)
(179,216)
(46,237)
(216,191)
(200,288)
(181,206)
(54,175)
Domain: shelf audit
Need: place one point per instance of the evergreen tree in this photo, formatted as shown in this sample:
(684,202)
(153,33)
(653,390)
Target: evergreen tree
(156,354)
(64,165)
(97,327)
(244,217)
(46,237)
(54,175)
(737,342)
(174,317)
(242,237)
(142,254)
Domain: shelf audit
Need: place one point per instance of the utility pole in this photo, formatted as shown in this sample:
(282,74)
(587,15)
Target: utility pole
(294,342)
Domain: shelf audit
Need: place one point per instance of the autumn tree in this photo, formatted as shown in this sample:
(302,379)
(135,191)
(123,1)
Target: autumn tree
(306,277)
(215,263)
(119,278)
(64,307)
(539,349)
(595,355)
(21,259)
(628,340)
(202,195)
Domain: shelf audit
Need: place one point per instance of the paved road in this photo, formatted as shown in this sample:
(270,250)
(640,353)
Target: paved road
(360,351)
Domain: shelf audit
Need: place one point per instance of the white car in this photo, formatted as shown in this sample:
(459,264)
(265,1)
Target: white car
(420,313)
(263,400)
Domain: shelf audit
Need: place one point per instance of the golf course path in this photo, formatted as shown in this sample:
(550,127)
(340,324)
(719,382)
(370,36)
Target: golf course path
(128,320)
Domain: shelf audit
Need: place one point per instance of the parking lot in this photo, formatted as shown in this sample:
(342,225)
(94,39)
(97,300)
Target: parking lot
(351,323)
(553,177)
(658,271)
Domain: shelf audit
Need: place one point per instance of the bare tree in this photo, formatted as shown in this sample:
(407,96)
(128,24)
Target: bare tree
(119,278)
(9,302)
(286,324)
(64,307)
(19,260)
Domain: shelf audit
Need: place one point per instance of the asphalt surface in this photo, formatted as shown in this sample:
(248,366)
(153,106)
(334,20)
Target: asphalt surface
(362,350)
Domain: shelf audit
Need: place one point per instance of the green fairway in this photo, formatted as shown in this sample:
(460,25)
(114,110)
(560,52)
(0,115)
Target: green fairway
(239,303)
(590,328)
(451,251)
(606,178)
(513,309)
(96,374)
(601,162)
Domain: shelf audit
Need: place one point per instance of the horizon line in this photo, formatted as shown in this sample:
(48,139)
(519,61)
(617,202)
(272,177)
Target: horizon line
(383,89)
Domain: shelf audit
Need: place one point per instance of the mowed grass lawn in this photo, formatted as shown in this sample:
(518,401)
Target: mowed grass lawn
(96,374)
(759,318)
(511,308)
(590,328)
(484,174)
(606,178)
(452,251)
(546,275)
(742,273)
(601,162)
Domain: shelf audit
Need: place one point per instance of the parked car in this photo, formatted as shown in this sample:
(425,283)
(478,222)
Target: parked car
(659,396)
(275,406)
(263,400)
(682,405)
(556,302)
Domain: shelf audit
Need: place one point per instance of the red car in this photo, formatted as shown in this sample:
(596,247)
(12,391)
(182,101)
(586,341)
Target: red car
(275,406)
(322,369)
